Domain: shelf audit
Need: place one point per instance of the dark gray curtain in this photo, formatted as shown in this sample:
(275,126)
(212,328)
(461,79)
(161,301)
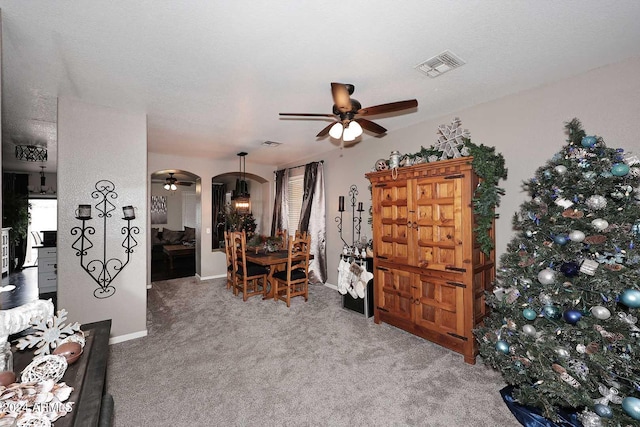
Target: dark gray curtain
(313,220)
(280,217)
(218,193)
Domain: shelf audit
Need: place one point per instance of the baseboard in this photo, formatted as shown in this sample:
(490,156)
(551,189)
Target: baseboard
(212,277)
(331,286)
(127,337)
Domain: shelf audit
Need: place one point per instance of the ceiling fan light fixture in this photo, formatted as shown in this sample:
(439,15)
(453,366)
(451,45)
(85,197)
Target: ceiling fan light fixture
(356,128)
(170,183)
(336,131)
(351,132)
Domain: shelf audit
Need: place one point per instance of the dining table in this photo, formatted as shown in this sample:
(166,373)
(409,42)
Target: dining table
(274,261)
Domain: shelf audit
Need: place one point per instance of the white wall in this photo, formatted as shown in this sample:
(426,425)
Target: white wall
(211,263)
(96,143)
(527,128)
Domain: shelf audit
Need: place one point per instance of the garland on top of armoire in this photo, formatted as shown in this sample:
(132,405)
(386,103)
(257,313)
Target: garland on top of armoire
(454,142)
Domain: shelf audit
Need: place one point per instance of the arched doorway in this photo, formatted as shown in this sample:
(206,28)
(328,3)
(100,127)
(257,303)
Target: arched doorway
(174,224)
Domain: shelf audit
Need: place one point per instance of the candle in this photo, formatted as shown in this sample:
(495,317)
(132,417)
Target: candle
(360,208)
(129,213)
(83,212)
(341,204)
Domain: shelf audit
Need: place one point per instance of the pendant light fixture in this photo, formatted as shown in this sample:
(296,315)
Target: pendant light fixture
(240,196)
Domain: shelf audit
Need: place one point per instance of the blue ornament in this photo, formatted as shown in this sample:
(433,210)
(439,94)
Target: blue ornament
(589,141)
(502,346)
(547,173)
(631,406)
(561,239)
(551,312)
(570,269)
(630,298)
(603,410)
(572,316)
(620,169)
(529,314)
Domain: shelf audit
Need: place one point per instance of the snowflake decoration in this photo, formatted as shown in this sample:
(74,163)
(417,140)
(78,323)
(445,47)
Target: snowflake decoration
(451,139)
(48,333)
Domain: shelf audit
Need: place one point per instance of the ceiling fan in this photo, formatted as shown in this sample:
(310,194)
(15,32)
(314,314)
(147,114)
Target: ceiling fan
(348,113)
(171,182)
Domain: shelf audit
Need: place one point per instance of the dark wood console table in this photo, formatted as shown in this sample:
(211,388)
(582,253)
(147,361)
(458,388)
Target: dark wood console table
(92,406)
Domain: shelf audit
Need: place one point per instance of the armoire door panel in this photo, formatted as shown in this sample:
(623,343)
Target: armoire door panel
(439,230)
(440,305)
(396,297)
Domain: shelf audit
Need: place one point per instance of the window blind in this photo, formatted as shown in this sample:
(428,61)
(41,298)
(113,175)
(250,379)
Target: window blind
(296,192)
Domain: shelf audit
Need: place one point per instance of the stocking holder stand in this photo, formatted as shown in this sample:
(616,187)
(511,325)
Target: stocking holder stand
(356,220)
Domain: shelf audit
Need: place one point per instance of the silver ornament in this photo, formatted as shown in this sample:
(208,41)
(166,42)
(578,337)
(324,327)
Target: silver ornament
(599,224)
(600,312)
(529,330)
(579,367)
(560,169)
(545,299)
(576,236)
(565,203)
(562,352)
(590,419)
(547,276)
(596,202)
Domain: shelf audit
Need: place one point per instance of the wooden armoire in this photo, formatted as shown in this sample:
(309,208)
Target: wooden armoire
(429,273)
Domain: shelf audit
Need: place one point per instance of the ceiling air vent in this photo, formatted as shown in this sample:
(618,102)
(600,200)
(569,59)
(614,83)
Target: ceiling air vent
(440,64)
(271,143)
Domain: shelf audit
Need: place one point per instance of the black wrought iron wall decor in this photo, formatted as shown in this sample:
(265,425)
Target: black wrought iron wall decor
(356,219)
(103,271)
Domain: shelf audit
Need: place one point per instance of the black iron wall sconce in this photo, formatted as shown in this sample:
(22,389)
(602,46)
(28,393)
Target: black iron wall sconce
(356,221)
(103,271)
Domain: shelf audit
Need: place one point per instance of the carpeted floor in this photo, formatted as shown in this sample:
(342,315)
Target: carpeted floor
(211,359)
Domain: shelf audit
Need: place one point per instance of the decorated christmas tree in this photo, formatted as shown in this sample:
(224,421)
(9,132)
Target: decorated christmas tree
(563,327)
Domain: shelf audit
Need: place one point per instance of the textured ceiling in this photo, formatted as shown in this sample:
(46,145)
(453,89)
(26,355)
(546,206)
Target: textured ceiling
(213,75)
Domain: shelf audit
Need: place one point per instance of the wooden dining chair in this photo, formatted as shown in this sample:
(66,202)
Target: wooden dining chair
(294,280)
(231,270)
(284,235)
(301,234)
(250,278)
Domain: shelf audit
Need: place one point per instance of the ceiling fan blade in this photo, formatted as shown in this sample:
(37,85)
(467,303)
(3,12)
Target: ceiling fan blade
(341,97)
(325,131)
(388,108)
(307,114)
(186,184)
(370,126)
